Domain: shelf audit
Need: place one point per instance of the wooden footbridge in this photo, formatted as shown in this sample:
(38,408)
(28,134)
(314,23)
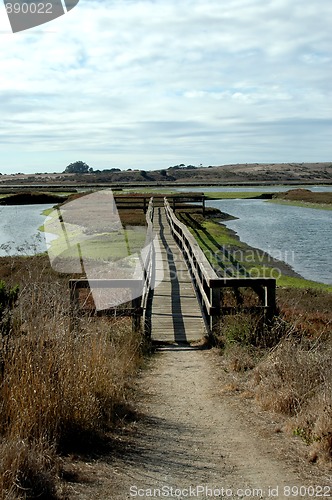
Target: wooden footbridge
(185,305)
(176,315)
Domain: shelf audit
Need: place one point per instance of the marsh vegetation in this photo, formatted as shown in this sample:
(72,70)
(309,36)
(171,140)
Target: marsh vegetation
(60,392)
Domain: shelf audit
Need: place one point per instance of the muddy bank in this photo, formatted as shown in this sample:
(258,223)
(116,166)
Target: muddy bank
(32,198)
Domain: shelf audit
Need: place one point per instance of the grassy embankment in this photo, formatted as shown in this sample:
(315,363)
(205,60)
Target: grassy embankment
(294,197)
(232,195)
(304,198)
(286,369)
(228,254)
(60,393)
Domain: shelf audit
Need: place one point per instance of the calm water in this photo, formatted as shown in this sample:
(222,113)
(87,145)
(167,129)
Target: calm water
(19,229)
(302,237)
(250,189)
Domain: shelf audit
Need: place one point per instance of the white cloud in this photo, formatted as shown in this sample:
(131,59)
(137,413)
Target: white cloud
(148,82)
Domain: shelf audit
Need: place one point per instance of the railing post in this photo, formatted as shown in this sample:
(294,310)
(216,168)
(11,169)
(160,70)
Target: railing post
(136,316)
(271,300)
(215,312)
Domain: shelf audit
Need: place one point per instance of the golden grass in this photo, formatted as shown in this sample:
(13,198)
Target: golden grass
(292,373)
(58,389)
(28,470)
(296,380)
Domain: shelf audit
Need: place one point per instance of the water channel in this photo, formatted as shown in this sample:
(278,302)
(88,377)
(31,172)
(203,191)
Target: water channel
(302,237)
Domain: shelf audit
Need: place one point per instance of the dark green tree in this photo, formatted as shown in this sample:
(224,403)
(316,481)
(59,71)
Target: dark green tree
(78,167)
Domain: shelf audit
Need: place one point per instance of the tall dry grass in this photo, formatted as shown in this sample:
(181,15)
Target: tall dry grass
(288,366)
(58,389)
(295,379)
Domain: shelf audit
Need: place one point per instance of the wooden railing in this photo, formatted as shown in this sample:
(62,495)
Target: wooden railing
(140,288)
(208,284)
(179,200)
(149,268)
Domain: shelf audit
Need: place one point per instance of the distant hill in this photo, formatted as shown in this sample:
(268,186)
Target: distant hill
(180,174)
(256,172)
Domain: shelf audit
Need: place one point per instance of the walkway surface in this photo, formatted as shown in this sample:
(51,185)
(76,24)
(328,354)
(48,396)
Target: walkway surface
(194,437)
(176,314)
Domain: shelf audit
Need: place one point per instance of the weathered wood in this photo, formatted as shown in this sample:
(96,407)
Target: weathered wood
(241,282)
(214,312)
(176,314)
(140,201)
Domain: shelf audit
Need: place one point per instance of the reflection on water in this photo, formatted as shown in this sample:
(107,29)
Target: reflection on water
(19,233)
(302,237)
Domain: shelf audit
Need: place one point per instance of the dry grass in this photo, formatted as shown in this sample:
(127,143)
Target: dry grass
(292,373)
(58,389)
(28,470)
(296,380)
(240,358)
(309,312)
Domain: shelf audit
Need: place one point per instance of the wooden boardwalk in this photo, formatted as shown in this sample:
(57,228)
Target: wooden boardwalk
(176,316)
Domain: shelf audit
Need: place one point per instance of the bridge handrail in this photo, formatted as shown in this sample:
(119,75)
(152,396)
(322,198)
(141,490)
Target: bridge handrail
(192,248)
(207,281)
(201,269)
(148,264)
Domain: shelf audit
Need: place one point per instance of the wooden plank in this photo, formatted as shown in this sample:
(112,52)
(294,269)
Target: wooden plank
(176,315)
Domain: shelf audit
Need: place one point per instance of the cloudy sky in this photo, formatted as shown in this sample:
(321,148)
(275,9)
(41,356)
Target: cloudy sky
(150,84)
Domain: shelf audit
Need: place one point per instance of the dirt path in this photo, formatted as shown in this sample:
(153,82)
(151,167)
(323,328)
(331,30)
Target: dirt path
(199,441)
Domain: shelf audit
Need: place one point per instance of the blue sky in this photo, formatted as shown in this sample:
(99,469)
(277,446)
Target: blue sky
(150,84)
